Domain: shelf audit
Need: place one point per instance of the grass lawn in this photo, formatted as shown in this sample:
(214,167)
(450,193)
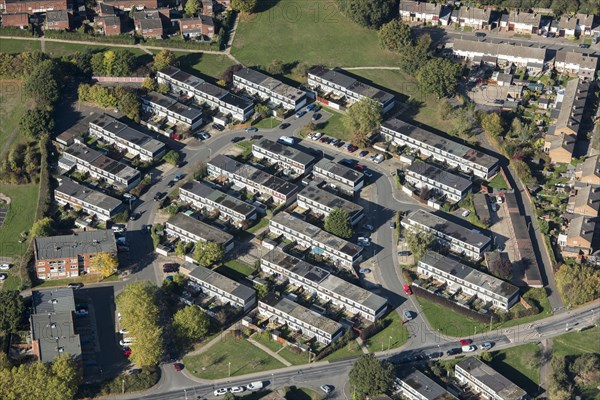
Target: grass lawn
(266,340)
(207,64)
(520,364)
(394,329)
(19,218)
(80,279)
(313,32)
(58,49)
(246,146)
(498,182)
(244,357)
(235,269)
(267,123)
(576,343)
(334,126)
(352,349)
(18,46)
(449,322)
(264,221)
(13,105)
(295,358)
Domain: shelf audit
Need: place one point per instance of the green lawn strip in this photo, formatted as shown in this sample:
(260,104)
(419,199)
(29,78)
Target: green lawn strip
(80,279)
(449,322)
(532,295)
(242,355)
(258,226)
(20,216)
(58,49)
(18,46)
(520,364)
(266,340)
(294,357)
(393,336)
(246,146)
(235,269)
(577,343)
(498,182)
(13,105)
(267,123)
(207,64)
(287,31)
(352,349)
(334,126)
(13,282)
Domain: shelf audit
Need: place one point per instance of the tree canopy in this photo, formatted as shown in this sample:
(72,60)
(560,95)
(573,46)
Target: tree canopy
(191,8)
(369,376)
(245,6)
(104,263)
(172,157)
(191,323)
(35,123)
(578,283)
(43,84)
(412,57)
(439,76)
(338,223)
(492,124)
(277,67)
(418,241)
(11,310)
(207,253)
(42,227)
(368,13)
(166,57)
(362,118)
(113,63)
(395,36)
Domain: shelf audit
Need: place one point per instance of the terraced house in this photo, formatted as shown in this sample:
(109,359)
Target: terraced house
(461,277)
(286,157)
(321,202)
(440,148)
(202,196)
(225,289)
(89,200)
(341,252)
(190,230)
(190,117)
(32,6)
(353,299)
(181,83)
(269,88)
(484,380)
(129,139)
(300,319)
(99,166)
(429,176)
(252,179)
(340,177)
(415,385)
(460,239)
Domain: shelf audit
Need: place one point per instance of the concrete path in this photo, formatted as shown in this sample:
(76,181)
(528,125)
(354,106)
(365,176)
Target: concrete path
(269,352)
(362,345)
(545,367)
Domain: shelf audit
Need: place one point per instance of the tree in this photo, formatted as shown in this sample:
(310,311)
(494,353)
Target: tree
(486,356)
(104,263)
(191,8)
(42,85)
(395,36)
(191,323)
(412,57)
(492,124)
(362,118)
(338,223)
(11,310)
(439,76)
(445,108)
(229,396)
(523,172)
(150,85)
(418,241)
(301,70)
(4,361)
(65,370)
(207,253)
(172,157)
(166,57)
(227,75)
(277,67)
(368,13)
(261,110)
(180,249)
(261,290)
(163,88)
(42,227)
(578,283)
(369,376)
(128,102)
(244,6)
(35,123)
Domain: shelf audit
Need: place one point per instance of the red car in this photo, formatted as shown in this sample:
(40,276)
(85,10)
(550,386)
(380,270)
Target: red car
(352,148)
(170,267)
(178,366)
(407,290)
(127,353)
(465,342)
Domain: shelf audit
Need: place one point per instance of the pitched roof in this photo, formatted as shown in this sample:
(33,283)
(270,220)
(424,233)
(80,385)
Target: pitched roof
(87,195)
(492,379)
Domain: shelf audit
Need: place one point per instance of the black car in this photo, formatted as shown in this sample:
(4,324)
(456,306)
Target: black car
(584,46)
(284,125)
(316,117)
(480,34)
(159,196)
(454,351)
(348,162)
(256,137)
(171,183)
(75,285)
(237,139)
(339,144)
(135,216)
(218,127)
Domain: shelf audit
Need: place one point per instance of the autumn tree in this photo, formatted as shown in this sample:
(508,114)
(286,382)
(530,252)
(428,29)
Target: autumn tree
(35,123)
(338,223)
(166,57)
(395,36)
(104,263)
(150,85)
(369,377)
(578,283)
(163,88)
(492,124)
(42,227)
(244,6)
(439,76)
(418,241)
(191,323)
(207,253)
(191,7)
(362,118)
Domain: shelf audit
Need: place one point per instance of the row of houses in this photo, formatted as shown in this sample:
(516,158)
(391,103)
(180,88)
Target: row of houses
(189,117)
(91,201)
(321,202)
(425,175)
(534,58)
(190,230)
(485,18)
(579,239)
(286,157)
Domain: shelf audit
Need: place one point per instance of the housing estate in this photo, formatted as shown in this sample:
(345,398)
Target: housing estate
(286,157)
(460,239)
(321,202)
(353,299)
(340,177)
(91,201)
(129,139)
(225,289)
(283,311)
(202,196)
(440,148)
(190,230)
(581,65)
(127,5)
(483,379)
(68,256)
(589,171)
(460,277)
(473,17)
(52,326)
(99,166)
(252,179)
(341,252)
(32,6)
(424,175)
(269,88)
(337,83)
(415,385)
(240,108)
(188,116)
(420,11)
(531,57)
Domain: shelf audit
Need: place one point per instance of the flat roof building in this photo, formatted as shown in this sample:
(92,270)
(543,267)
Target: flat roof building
(415,385)
(485,380)
(298,318)
(187,116)
(287,157)
(460,239)
(441,148)
(202,196)
(225,289)
(341,252)
(189,229)
(353,299)
(89,200)
(322,202)
(267,87)
(429,176)
(339,176)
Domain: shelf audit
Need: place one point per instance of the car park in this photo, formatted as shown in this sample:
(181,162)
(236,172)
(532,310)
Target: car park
(465,342)
(284,125)
(407,290)
(220,392)
(251,130)
(237,139)
(316,117)
(218,127)
(299,114)
(486,346)
(327,388)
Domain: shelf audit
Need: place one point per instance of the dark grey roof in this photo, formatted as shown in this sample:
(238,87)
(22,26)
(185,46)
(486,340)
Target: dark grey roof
(329,200)
(85,194)
(340,170)
(437,174)
(269,83)
(285,151)
(573,105)
(186,111)
(501,50)
(101,161)
(492,379)
(294,265)
(199,228)
(203,190)
(449,228)
(106,9)
(422,384)
(227,285)
(181,76)
(464,272)
(52,300)
(127,133)
(49,248)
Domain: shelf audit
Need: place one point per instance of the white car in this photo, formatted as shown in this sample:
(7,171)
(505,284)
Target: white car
(255,385)
(220,392)
(379,159)
(485,346)
(129,196)
(122,331)
(4,266)
(499,199)
(368,174)
(468,349)
(236,389)
(326,388)
(316,136)
(466,213)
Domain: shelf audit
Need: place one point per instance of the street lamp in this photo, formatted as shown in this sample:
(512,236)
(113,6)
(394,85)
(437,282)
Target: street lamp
(229,369)
(123,386)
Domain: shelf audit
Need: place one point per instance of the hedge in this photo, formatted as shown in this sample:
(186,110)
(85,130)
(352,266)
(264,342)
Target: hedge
(181,44)
(120,39)
(8,31)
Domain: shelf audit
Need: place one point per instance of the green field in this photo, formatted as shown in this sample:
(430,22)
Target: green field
(17,46)
(449,322)
(520,364)
(334,126)
(498,182)
(244,357)
(295,358)
(576,343)
(393,336)
(314,32)
(352,349)
(19,218)
(246,146)
(58,49)
(264,221)
(13,105)
(235,269)
(267,123)
(207,64)
(266,340)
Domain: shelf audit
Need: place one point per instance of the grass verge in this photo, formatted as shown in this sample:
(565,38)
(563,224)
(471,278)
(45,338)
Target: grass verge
(352,349)
(392,336)
(266,340)
(18,46)
(577,343)
(20,216)
(258,226)
(520,364)
(13,105)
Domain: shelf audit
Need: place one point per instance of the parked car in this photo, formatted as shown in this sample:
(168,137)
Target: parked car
(327,388)
(3,276)
(316,117)
(499,199)
(347,162)
(236,389)
(393,224)
(4,266)
(407,290)
(77,285)
(134,371)
(256,137)
(171,183)
(317,136)
(368,174)
(368,227)
(135,216)
(339,144)
(378,159)
(220,392)
(255,385)
(334,142)
(284,125)
(468,349)
(158,196)
(584,46)
(237,139)
(494,207)
(486,346)
(480,34)
(122,331)
(466,213)
(363,153)
(352,148)
(404,253)
(203,135)
(299,114)
(465,342)
(127,353)
(178,366)
(218,127)
(364,271)
(310,107)
(170,267)
(251,130)
(454,351)
(407,315)
(81,313)
(129,196)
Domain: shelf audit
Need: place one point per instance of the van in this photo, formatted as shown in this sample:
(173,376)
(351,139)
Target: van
(468,349)
(286,140)
(255,385)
